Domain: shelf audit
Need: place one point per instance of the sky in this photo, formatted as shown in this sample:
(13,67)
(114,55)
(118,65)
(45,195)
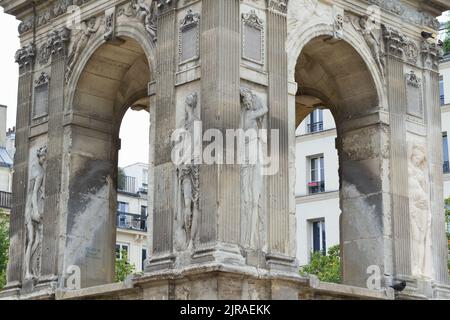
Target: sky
(134,130)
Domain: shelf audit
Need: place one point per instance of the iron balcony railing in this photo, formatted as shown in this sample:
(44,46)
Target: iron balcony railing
(5,200)
(446,167)
(127,184)
(130,221)
(315,127)
(316,187)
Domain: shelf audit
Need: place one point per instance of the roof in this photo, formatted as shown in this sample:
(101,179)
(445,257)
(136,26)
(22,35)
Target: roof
(5,158)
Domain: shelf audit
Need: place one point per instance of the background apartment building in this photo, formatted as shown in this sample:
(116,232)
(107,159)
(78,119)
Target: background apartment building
(131,234)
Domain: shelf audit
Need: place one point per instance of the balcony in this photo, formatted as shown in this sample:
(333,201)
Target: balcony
(316,187)
(315,127)
(5,200)
(442,98)
(446,167)
(128,221)
(127,184)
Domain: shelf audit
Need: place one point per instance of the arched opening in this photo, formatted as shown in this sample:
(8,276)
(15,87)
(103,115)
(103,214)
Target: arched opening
(332,75)
(115,79)
(132,193)
(317,185)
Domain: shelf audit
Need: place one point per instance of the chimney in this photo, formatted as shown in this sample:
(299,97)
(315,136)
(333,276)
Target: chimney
(3,110)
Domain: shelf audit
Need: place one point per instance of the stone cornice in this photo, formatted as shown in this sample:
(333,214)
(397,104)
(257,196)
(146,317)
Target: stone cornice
(424,15)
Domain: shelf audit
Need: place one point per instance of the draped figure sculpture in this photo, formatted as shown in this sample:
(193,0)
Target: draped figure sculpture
(33,216)
(188,173)
(252,114)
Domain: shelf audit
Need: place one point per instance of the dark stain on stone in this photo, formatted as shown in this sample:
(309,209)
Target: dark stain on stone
(85,183)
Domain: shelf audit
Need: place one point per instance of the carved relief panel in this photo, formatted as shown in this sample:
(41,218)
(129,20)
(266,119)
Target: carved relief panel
(252,37)
(41,93)
(189,37)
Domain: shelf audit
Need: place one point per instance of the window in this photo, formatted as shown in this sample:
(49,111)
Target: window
(317,181)
(441,90)
(315,121)
(123,206)
(144,257)
(318,236)
(120,248)
(445,153)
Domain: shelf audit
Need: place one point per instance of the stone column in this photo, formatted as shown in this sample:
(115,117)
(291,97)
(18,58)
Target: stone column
(58,43)
(219,184)
(364,197)
(164,121)
(395,80)
(280,251)
(25,59)
(430,56)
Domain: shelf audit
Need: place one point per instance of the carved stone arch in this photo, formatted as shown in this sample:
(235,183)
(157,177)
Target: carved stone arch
(350,36)
(344,76)
(127,29)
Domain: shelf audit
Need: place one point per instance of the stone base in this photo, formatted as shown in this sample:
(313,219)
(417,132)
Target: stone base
(222,282)
(216,281)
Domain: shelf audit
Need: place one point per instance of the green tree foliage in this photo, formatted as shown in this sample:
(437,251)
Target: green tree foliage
(121,179)
(4,247)
(123,267)
(447,38)
(326,267)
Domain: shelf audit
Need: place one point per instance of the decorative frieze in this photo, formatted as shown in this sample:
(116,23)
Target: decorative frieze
(43,17)
(407,12)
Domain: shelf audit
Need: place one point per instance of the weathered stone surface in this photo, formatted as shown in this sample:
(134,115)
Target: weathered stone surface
(291,56)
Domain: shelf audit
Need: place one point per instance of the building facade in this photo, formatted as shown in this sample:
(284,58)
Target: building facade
(132,213)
